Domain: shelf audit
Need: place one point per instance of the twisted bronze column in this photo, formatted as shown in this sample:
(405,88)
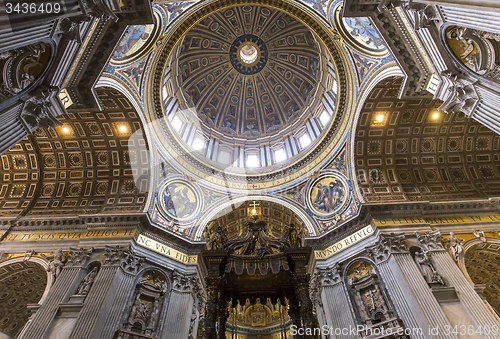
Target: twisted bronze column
(213,287)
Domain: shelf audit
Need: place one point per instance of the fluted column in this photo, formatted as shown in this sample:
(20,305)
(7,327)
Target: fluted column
(473,303)
(178,318)
(399,292)
(45,314)
(481,18)
(423,294)
(112,319)
(88,320)
(64,278)
(335,298)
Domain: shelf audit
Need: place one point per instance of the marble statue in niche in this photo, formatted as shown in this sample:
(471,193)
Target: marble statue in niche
(87,282)
(454,245)
(147,303)
(427,268)
(371,302)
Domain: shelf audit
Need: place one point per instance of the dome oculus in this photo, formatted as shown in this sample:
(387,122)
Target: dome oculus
(248,54)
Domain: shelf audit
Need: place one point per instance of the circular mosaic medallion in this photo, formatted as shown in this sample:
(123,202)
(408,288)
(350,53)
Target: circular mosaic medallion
(328,194)
(248,54)
(360,33)
(179,200)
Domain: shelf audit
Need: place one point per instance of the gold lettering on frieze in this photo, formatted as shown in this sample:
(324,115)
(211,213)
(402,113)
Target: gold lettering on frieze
(468,219)
(166,250)
(75,235)
(344,243)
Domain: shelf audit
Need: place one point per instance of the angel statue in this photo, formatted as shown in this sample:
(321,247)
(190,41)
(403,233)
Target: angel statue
(56,262)
(454,245)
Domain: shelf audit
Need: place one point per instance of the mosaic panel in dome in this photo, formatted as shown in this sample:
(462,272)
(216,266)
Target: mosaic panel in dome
(179,200)
(328,194)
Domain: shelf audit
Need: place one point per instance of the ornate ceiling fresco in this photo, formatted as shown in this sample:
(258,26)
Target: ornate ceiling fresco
(408,150)
(264,97)
(83,166)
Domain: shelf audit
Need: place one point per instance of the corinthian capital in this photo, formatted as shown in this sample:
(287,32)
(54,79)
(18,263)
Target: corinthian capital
(123,257)
(78,256)
(395,242)
(430,241)
(388,244)
(130,262)
(183,283)
(329,276)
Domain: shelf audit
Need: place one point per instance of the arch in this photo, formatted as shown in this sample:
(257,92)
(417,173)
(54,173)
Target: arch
(106,81)
(383,74)
(20,266)
(61,169)
(483,267)
(406,150)
(228,204)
